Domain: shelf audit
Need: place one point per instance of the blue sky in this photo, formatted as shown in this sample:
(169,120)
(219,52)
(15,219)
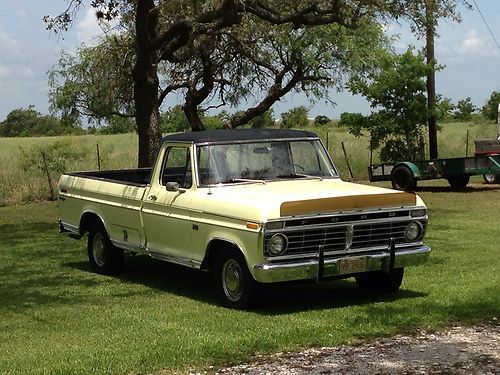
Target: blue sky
(468,51)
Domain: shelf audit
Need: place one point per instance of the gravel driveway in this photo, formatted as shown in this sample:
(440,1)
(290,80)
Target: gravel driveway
(459,350)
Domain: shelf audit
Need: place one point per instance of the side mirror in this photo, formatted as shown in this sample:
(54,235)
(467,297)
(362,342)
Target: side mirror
(174,187)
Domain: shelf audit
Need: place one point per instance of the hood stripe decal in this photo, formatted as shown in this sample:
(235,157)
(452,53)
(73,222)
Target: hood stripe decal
(348,203)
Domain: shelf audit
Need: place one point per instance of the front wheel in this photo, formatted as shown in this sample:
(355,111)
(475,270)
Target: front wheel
(492,178)
(235,285)
(380,281)
(104,258)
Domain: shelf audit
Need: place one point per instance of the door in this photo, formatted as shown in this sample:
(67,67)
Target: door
(167,214)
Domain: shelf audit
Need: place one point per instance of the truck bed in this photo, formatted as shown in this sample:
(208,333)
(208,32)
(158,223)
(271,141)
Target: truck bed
(135,177)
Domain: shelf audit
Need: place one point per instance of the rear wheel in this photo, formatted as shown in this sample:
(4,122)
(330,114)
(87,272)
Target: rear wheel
(104,258)
(402,179)
(459,181)
(380,281)
(236,287)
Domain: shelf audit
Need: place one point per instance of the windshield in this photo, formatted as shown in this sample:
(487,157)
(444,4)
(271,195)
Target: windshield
(263,161)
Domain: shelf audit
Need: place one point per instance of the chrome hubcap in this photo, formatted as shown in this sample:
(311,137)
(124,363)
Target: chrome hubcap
(98,249)
(231,280)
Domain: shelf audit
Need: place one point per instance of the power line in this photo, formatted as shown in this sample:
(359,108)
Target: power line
(486,23)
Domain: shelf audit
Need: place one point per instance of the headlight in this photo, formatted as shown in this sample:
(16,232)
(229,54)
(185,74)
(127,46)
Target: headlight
(418,213)
(277,244)
(413,231)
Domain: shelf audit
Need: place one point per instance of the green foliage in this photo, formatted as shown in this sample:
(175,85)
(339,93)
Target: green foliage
(266,120)
(464,110)
(444,109)
(398,90)
(95,81)
(490,109)
(117,125)
(295,118)
(58,156)
(31,123)
(321,120)
(174,120)
(212,122)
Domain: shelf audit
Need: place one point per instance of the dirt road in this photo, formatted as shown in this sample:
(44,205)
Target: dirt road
(458,350)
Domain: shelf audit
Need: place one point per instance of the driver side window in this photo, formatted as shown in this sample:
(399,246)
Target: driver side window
(177,167)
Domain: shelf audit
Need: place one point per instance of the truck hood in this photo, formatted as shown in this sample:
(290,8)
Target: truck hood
(261,202)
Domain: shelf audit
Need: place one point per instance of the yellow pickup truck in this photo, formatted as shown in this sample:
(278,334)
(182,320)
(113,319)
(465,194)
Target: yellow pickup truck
(253,207)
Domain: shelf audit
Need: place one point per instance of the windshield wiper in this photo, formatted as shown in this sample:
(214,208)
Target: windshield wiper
(233,180)
(300,175)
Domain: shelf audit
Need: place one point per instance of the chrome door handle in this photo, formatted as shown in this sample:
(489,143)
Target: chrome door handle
(153,197)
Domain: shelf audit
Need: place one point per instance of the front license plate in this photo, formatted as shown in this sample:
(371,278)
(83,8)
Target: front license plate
(353,265)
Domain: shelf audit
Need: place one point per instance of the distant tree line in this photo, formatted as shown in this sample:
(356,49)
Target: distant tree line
(31,123)
(28,122)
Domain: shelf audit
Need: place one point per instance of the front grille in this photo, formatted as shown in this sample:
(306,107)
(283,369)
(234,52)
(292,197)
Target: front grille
(333,238)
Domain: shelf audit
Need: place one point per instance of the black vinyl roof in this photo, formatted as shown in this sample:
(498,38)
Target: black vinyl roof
(230,135)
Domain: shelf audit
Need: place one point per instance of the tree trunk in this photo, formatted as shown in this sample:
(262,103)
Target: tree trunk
(146,84)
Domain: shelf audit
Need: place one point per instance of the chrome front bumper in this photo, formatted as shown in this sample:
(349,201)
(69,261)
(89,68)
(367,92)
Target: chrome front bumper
(331,267)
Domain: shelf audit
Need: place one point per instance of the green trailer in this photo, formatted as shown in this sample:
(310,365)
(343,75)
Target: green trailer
(405,175)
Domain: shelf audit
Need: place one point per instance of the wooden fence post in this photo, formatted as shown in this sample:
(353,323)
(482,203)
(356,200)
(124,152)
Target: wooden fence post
(347,161)
(98,157)
(467,144)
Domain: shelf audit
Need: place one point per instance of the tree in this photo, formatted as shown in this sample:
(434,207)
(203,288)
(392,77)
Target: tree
(295,118)
(95,82)
(30,123)
(490,109)
(321,120)
(174,120)
(464,110)
(265,120)
(397,90)
(444,108)
(185,32)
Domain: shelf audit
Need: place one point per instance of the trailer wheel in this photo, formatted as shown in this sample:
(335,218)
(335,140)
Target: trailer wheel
(402,179)
(459,181)
(235,286)
(380,281)
(492,178)
(104,257)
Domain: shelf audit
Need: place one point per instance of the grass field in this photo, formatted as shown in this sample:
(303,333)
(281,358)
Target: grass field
(59,318)
(120,151)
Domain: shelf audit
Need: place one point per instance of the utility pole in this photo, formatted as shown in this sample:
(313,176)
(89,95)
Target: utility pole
(431,77)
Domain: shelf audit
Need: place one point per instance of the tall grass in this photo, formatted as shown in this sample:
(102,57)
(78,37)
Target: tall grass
(20,184)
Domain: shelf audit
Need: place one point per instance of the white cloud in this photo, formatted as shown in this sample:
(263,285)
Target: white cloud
(8,46)
(88,29)
(476,46)
(472,44)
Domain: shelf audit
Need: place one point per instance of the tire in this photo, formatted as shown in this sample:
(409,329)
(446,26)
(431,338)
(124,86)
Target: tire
(235,286)
(104,258)
(380,281)
(459,181)
(492,178)
(402,179)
